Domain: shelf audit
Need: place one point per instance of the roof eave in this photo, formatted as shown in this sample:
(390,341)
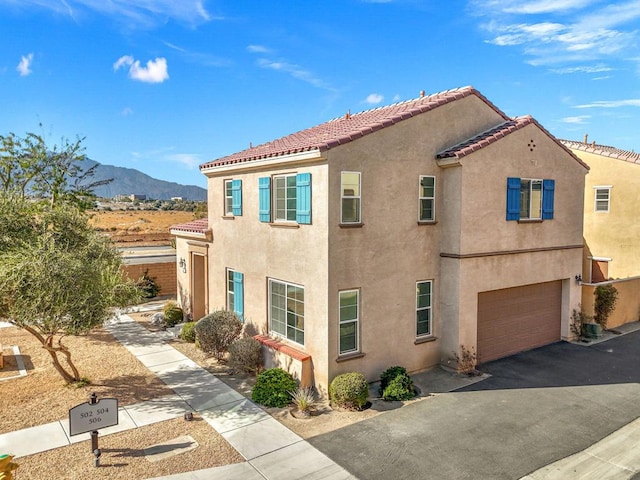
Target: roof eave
(298,157)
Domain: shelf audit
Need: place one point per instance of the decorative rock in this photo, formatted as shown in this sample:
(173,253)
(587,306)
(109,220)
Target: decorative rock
(157,319)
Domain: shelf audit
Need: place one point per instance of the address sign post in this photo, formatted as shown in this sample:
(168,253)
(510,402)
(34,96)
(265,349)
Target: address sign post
(90,417)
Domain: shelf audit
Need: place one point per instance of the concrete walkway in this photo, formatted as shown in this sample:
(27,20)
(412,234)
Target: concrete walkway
(271,450)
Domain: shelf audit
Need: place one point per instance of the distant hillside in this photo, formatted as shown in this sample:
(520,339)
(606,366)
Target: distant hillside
(127,181)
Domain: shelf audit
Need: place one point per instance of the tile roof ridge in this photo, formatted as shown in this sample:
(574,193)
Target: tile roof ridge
(604,150)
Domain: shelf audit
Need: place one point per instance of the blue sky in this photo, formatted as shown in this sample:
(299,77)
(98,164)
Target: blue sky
(164,85)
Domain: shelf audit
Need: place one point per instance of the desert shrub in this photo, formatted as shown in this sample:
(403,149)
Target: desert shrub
(245,355)
(303,399)
(216,331)
(578,319)
(272,388)
(349,390)
(605,302)
(396,384)
(148,285)
(172,314)
(188,332)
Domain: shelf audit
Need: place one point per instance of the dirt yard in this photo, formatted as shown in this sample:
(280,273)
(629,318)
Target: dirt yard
(142,227)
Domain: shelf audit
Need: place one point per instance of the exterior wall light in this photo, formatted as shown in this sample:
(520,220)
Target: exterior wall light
(183,265)
(579,278)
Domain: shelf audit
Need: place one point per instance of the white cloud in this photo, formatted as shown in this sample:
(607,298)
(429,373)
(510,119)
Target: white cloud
(133,13)
(190,160)
(294,70)
(374,98)
(125,112)
(632,102)
(258,49)
(583,69)
(24,67)
(542,6)
(578,120)
(154,72)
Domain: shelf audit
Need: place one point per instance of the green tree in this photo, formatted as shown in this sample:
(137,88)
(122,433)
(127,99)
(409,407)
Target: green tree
(58,275)
(28,166)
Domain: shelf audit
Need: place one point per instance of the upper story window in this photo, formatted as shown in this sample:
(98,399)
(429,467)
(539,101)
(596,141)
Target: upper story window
(233,197)
(530,199)
(290,200)
(427,199)
(350,197)
(286,310)
(602,198)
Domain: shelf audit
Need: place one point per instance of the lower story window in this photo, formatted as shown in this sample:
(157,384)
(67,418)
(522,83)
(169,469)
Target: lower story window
(349,315)
(423,308)
(286,310)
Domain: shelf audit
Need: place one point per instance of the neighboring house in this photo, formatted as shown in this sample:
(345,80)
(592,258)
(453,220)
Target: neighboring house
(611,225)
(393,236)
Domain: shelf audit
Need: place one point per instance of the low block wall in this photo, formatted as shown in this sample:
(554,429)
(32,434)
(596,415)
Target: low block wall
(297,363)
(164,275)
(628,305)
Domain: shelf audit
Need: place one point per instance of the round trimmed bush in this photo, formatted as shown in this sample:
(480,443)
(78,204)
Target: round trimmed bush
(349,390)
(245,355)
(173,314)
(272,388)
(188,332)
(216,331)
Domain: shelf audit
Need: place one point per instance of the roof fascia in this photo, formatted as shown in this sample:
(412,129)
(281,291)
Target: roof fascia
(264,163)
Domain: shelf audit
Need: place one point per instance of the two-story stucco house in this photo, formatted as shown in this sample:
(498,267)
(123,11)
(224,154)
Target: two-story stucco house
(611,226)
(392,237)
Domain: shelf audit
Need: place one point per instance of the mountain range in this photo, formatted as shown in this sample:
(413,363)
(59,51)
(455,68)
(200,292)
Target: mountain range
(127,181)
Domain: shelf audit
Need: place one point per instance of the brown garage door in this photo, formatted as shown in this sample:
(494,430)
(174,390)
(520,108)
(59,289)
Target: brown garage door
(516,319)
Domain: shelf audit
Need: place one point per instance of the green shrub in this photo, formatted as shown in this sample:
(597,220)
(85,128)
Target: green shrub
(188,332)
(605,302)
(216,331)
(148,286)
(272,388)
(173,314)
(396,384)
(349,390)
(245,355)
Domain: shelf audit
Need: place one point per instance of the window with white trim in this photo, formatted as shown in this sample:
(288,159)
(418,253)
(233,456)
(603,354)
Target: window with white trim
(423,308)
(286,310)
(235,292)
(228,197)
(602,198)
(530,199)
(284,198)
(427,199)
(348,319)
(349,197)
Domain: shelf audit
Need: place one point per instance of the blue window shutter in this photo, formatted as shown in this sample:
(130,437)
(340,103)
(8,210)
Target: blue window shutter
(236,197)
(513,198)
(264,185)
(303,198)
(548,190)
(238,294)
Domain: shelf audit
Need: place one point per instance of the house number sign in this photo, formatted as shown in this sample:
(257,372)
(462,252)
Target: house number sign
(89,416)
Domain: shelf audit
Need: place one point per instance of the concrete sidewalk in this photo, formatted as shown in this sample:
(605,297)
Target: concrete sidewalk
(271,450)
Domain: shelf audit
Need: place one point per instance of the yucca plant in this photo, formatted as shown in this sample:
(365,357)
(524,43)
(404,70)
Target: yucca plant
(303,399)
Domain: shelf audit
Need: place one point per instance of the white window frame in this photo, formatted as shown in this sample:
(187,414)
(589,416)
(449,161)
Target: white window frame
(274,199)
(228,198)
(530,193)
(287,327)
(421,198)
(596,200)
(428,308)
(230,290)
(357,198)
(355,321)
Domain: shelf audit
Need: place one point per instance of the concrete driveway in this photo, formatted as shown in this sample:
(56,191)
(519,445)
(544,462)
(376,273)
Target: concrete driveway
(536,408)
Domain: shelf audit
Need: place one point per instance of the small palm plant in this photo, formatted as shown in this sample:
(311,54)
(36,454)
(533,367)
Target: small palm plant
(303,399)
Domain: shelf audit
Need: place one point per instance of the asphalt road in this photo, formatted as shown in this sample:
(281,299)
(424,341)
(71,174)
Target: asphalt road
(536,408)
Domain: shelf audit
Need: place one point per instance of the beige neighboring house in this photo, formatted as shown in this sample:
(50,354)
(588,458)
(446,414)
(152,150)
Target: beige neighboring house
(393,236)
(611,226)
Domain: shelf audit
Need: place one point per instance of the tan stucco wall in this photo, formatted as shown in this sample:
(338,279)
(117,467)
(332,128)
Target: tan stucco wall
(627,307)
(295,254)
(614,234)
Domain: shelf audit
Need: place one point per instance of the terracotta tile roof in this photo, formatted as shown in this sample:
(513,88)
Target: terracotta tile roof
(485,138)
(196,226)
(605,151)
(348,128)
(496,133)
